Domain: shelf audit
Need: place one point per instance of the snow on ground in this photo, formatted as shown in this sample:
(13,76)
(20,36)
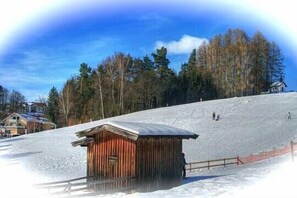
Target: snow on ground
(271,178)
(248,125)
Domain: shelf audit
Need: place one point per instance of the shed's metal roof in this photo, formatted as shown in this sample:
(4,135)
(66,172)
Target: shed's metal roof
(133,130)
(148,129)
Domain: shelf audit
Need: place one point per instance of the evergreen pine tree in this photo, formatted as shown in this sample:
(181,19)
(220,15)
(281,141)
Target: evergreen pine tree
(53,105)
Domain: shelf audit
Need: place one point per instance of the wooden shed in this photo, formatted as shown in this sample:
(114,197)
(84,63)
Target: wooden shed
(141,155)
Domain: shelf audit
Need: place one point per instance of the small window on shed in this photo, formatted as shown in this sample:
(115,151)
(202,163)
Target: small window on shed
(113,159)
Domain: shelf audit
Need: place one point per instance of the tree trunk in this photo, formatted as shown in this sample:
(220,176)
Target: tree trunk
(100,93)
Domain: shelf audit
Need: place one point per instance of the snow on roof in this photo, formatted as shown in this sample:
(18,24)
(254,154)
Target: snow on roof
(24,116)
(134,130)
(278,84)
(148,129)
(29,118)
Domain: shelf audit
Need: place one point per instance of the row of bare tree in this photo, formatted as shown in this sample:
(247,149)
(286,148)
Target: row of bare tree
(119,85)
(231,64)
(11,101)
(241,65)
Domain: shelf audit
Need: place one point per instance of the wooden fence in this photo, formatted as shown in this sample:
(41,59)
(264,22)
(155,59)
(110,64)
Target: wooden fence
(83,186)
(213,163)
(243,160)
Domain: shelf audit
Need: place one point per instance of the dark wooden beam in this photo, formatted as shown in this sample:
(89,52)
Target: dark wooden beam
(82,142)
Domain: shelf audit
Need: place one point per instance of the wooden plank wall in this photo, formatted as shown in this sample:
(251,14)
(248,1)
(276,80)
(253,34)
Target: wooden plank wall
(155,161)
(158,163)
(105,146)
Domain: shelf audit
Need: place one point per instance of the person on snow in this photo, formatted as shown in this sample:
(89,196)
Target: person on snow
(214,115)
(184,163)
(218,118)
(289,115)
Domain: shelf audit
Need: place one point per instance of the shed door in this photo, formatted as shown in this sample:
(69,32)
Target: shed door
(114,156)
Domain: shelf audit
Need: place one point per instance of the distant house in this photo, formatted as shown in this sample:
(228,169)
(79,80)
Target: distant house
(36,108)
(278,87)
(19,124)
(141,155)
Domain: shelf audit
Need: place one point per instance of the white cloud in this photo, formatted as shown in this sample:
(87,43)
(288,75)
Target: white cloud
(184,46)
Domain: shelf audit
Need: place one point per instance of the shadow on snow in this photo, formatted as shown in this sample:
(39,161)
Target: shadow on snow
(18,155)
(5,145)
(198,178)
(13,139)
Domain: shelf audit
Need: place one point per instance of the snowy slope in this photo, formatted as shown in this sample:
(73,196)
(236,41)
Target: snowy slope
(271,178)
(248,125)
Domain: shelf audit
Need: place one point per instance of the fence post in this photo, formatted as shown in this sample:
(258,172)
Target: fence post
(68,189)
(190,167)
(208,164)
(224,162)
(292,150)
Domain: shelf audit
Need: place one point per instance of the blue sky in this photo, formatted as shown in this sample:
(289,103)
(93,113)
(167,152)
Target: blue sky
(47,48)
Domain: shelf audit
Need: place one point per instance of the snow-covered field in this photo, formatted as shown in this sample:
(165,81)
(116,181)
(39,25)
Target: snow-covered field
(248,125)
(274,178)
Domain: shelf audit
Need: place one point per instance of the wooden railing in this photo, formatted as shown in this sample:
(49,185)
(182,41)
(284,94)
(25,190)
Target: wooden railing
(213,163)
(85,187)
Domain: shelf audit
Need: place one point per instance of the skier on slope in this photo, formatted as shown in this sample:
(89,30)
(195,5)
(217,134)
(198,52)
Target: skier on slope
(289,115)
(218,118)
(214,115)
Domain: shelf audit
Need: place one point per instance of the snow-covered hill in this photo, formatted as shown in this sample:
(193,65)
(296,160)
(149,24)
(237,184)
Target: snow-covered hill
(248,125)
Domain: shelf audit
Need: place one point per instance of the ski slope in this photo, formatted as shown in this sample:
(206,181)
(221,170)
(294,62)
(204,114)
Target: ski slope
(248,125)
